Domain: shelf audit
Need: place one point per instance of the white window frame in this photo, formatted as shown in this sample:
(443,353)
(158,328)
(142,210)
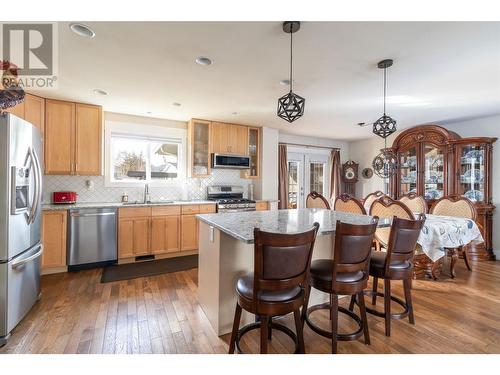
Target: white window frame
(144,131)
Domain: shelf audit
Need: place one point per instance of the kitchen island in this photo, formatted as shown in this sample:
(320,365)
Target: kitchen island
(226,252)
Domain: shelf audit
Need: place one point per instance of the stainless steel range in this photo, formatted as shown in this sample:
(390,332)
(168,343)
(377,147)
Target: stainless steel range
(229,198)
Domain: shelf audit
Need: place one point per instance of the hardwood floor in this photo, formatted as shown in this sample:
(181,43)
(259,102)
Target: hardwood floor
(160,314)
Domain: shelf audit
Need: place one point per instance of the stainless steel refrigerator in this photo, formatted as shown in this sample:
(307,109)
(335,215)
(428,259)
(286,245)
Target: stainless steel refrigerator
(20,220)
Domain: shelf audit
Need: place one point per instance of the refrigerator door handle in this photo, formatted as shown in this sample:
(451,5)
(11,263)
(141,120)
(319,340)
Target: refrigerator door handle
(36,197)
(22,262)
(38,183)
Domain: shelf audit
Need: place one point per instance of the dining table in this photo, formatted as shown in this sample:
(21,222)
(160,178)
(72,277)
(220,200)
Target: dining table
(442,234)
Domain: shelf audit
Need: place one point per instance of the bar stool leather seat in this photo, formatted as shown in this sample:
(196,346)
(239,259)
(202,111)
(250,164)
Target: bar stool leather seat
(321,270)
(377,263)
(244,288)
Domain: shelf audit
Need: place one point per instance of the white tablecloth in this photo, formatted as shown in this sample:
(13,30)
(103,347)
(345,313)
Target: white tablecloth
(441,232)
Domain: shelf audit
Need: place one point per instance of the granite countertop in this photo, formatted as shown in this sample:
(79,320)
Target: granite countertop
(54,207)
(240,225)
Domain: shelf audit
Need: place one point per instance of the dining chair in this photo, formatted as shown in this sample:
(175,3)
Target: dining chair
(370,198)
(455,206)
(386,207)
(416,203)
(316,200)
(345,274)
(347,203)
(276,287)
(394,264)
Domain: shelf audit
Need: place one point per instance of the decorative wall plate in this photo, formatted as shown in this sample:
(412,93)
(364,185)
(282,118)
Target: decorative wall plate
(367,173)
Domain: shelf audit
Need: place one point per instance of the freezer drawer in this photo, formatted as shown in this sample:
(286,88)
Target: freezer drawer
(92,236)
(19,287)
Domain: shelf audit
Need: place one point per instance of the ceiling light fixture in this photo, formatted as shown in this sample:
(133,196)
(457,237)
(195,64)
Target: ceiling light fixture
(235,113)
(291,106)
(100,92)
(82,30)
(385,163)
(205,61)
(175,104)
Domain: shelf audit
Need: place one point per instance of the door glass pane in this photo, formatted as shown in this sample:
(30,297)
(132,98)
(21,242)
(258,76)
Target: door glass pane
(408,163)
(433,172)
(293,183)
(316,180)
(164,160)
(472,172)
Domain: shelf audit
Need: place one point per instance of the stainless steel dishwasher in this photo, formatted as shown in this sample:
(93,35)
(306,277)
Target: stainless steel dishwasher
(92,238)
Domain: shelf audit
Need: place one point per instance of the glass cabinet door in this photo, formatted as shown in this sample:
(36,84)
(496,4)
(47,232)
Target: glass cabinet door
(408,171)
(253,152)
(433,171)
(200,152)
(471,172)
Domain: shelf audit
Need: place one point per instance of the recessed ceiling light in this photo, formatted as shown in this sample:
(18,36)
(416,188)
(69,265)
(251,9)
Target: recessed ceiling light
(205,61)
(176,104)
(149,113)
(82,30)
(235,113)
(100,92)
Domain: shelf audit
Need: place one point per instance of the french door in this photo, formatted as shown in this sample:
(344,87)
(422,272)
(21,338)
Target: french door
(307,172)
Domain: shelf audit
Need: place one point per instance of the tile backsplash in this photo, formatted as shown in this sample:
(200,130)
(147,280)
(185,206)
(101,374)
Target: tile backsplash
(190,188)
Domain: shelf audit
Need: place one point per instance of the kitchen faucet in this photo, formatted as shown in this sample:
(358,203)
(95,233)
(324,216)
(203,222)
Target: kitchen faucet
(146,194)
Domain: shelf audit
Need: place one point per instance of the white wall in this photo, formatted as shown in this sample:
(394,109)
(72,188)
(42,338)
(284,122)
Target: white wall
(267,188)
(313,141)
(363,152)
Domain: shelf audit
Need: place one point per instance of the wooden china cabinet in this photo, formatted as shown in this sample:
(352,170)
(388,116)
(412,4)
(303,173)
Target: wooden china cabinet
(434,162)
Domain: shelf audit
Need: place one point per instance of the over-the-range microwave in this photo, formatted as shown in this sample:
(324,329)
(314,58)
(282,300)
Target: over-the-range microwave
(230,161)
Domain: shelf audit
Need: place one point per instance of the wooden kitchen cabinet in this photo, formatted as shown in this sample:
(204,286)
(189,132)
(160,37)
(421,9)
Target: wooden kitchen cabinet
(262,206)
(133,237)
(59,134)
(229,139)
(18,110)
(73,138)
(88,139)
(253,152)
(189,232)
(54,239)
(165,232)
(34,111)
(199,148)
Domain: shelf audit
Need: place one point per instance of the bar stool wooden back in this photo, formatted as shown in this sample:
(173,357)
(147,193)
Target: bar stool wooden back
(345,274)
(316,200)
(276,287)
(395,264)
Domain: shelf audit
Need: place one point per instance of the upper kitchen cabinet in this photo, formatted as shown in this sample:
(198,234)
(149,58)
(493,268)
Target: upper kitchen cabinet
(73,138)
(31,110)
(199,143)
(59,135)
(229,139)
(253,153)
(88,139)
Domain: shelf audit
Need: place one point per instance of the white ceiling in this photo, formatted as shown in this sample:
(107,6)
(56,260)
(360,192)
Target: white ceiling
(442,71)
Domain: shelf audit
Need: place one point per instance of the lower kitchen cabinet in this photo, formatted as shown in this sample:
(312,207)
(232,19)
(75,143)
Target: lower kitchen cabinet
(165,234)
(262,206)
(54,239)
(189,239)
(133,237)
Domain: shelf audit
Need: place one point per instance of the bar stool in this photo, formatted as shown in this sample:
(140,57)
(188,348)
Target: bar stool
(395,264)
(276,287)
(346,274)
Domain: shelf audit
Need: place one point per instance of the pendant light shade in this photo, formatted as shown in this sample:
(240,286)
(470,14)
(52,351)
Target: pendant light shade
(291,106)
(385,125)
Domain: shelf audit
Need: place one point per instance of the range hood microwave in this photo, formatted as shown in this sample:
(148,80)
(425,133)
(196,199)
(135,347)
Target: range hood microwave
(230,161)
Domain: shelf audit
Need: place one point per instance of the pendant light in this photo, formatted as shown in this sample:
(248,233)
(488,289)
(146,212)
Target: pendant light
(385,163)
(291,105)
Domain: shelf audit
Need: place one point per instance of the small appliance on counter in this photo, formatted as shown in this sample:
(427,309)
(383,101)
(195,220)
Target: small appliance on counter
(64,197)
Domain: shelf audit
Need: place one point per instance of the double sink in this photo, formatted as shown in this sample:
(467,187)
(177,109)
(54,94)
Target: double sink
(147,203)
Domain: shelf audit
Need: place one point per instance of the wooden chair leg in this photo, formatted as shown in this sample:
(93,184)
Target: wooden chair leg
(466,260)
(307,293)
(362,311)
(270,328)
(264,326)
(409,303)
(374,290)
(236,327)
(453,261)
(299,330)
(353,301)
(334,313)
(387,306)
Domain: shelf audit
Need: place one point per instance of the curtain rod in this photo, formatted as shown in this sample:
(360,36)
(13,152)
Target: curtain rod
(308,146)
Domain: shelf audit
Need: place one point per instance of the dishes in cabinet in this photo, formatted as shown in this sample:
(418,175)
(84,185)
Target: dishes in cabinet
(473,155)
(410,162)
(434,178)
(474,195)
(472,174)
(433,194)
(410,178)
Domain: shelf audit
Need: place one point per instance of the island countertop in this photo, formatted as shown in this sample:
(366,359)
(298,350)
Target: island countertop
(240,225)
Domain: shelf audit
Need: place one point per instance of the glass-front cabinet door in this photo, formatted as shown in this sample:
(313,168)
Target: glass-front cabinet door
(408,179)
(472,172)
(434,171)
(199,131)
(253,153)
